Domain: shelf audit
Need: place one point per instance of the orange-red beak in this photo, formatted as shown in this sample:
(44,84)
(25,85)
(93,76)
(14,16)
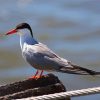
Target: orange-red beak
(11,32)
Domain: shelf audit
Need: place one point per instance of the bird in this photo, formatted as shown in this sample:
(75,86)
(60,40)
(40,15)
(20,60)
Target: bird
(39,56)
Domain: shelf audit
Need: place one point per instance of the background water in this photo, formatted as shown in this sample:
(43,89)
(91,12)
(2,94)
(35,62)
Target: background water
(71,28)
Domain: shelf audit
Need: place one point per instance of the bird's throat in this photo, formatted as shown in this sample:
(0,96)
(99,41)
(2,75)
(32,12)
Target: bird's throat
(27,38)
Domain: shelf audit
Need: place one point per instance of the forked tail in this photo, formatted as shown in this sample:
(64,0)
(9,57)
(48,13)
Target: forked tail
(75,69)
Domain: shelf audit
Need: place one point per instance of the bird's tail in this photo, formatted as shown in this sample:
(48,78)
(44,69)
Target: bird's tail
(75,69)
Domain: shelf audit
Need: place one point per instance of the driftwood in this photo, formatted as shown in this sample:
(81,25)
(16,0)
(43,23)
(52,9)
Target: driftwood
(47,84)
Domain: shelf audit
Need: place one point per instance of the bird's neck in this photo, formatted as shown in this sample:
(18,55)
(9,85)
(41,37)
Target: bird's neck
(26,37)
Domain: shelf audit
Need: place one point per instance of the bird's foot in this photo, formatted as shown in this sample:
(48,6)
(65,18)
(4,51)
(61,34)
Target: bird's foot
(36,76)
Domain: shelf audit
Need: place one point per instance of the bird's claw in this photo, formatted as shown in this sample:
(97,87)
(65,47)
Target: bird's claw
(36,77)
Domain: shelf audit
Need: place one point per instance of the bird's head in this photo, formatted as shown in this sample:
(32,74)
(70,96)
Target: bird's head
(19,28)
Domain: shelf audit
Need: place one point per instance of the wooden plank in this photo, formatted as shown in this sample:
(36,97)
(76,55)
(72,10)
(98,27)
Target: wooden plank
(47,84)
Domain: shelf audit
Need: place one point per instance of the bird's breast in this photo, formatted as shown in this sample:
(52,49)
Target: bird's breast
(29,55)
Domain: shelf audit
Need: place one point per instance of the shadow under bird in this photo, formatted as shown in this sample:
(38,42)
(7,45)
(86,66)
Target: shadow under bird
(41,57)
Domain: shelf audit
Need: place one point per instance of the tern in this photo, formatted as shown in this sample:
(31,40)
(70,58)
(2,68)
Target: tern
(41,57)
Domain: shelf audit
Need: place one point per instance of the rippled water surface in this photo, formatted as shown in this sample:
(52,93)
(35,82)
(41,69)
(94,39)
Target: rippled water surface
(71,28)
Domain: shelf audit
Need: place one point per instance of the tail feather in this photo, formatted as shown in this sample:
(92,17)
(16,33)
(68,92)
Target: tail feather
(75,69)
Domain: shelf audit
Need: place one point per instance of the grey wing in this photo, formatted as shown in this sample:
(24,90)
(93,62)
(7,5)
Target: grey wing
(45,58)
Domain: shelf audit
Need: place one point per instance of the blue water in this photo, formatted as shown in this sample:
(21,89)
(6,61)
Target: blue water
(71,28)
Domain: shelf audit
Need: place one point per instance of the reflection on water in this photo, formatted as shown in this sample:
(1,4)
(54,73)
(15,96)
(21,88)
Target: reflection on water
(69,27)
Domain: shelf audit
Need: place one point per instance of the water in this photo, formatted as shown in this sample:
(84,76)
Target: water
(71,28)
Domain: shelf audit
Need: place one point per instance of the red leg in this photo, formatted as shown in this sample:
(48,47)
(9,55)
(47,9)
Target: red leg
(41,73)
(36,74)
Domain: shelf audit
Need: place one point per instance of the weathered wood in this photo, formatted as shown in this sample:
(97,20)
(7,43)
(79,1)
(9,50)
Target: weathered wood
(32,87)
(56,88)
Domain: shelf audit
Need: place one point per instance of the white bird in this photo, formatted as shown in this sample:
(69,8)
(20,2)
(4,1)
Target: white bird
(41,57)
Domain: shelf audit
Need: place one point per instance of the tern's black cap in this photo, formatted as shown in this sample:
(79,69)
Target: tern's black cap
(23,26)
